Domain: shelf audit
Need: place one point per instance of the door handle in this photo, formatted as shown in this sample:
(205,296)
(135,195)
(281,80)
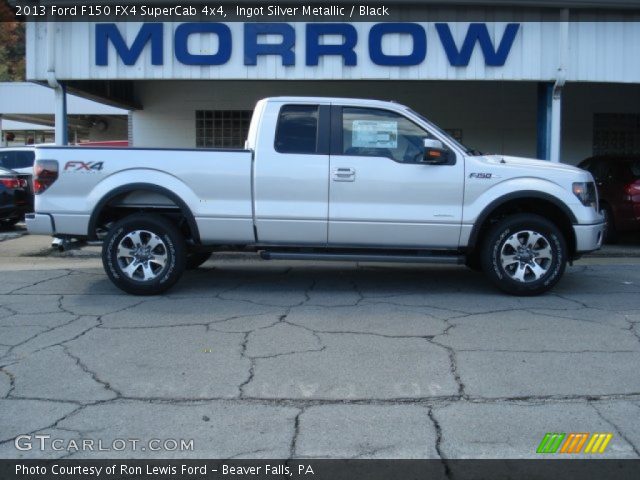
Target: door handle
(343,174)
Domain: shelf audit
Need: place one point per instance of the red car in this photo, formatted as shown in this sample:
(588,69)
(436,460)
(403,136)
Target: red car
(618,180)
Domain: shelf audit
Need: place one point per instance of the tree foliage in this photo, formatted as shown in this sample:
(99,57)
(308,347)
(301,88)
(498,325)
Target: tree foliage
(12,52)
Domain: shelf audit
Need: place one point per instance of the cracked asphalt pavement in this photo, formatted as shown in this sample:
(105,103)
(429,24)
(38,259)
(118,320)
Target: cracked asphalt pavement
(254,359)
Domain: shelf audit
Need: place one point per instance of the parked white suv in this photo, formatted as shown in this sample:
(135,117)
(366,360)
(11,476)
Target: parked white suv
(321,178)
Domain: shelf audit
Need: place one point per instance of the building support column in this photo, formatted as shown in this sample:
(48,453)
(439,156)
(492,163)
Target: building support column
(556,123)
(60,92)
(61,130)
(558,86)
(545,93)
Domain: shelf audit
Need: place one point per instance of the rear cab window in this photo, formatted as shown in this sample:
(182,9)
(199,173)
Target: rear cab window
(297,129)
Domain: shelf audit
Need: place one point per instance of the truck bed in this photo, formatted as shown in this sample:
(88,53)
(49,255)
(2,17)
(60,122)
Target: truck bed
(215,183)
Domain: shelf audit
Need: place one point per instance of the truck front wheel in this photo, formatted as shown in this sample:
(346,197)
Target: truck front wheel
(524,254)
(144,254)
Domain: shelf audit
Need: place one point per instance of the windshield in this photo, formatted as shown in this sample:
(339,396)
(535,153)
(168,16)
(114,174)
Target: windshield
(465,149)
(634,166)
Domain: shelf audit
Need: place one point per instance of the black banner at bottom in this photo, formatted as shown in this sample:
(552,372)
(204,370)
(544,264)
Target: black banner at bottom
(320,469)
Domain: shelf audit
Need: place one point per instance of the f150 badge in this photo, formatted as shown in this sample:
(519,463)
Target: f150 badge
(483,176)
(84,167)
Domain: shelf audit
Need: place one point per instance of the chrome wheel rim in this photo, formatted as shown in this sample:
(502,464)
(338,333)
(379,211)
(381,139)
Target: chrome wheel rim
(142,255)
(526,256)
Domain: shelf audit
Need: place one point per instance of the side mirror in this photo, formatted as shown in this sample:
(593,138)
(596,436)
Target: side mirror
(435,152)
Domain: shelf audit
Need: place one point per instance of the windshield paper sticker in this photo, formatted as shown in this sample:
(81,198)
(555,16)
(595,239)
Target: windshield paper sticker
(374,134)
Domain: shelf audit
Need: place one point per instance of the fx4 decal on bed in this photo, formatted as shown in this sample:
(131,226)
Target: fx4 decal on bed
(78,166)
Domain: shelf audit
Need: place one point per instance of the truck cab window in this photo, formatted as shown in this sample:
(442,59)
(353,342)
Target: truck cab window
(297,130)
(381,133)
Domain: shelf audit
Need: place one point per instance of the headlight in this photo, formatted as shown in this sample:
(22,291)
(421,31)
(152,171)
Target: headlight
(586,193)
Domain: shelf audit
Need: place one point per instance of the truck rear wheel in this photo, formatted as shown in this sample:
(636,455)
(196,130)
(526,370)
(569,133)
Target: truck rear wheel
(144,254)
(524,254)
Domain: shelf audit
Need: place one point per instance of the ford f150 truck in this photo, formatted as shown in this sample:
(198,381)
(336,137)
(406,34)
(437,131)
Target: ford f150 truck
(321,178)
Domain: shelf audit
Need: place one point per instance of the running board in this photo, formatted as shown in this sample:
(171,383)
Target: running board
(363,257)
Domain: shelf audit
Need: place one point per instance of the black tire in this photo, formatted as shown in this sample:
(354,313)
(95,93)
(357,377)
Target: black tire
(195,259)
(540,264)
(610,233)
(165,262)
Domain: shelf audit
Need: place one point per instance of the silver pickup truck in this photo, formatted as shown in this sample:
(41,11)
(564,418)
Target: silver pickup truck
(321,179)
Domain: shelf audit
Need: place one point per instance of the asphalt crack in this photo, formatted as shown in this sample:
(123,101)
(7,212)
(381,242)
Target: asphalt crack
(616,428)
(453,358)
(296,432)
(43,332)
(252,364)
(16,290)
(54,424)
(12,381)
(94,376)
(633,327)
(438,445)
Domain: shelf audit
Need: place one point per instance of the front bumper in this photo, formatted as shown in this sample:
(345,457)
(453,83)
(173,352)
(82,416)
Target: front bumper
(39,224)
(588,237)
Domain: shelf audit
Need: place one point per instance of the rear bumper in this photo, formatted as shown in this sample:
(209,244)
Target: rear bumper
(588,237)
(40,224)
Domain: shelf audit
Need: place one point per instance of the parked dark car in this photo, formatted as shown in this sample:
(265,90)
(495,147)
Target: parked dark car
(618,180)
(15,197)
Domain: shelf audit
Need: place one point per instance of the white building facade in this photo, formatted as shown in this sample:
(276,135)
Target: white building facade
(557,83)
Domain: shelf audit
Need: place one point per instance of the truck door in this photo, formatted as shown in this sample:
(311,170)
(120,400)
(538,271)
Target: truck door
(381,192)
(291,175)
